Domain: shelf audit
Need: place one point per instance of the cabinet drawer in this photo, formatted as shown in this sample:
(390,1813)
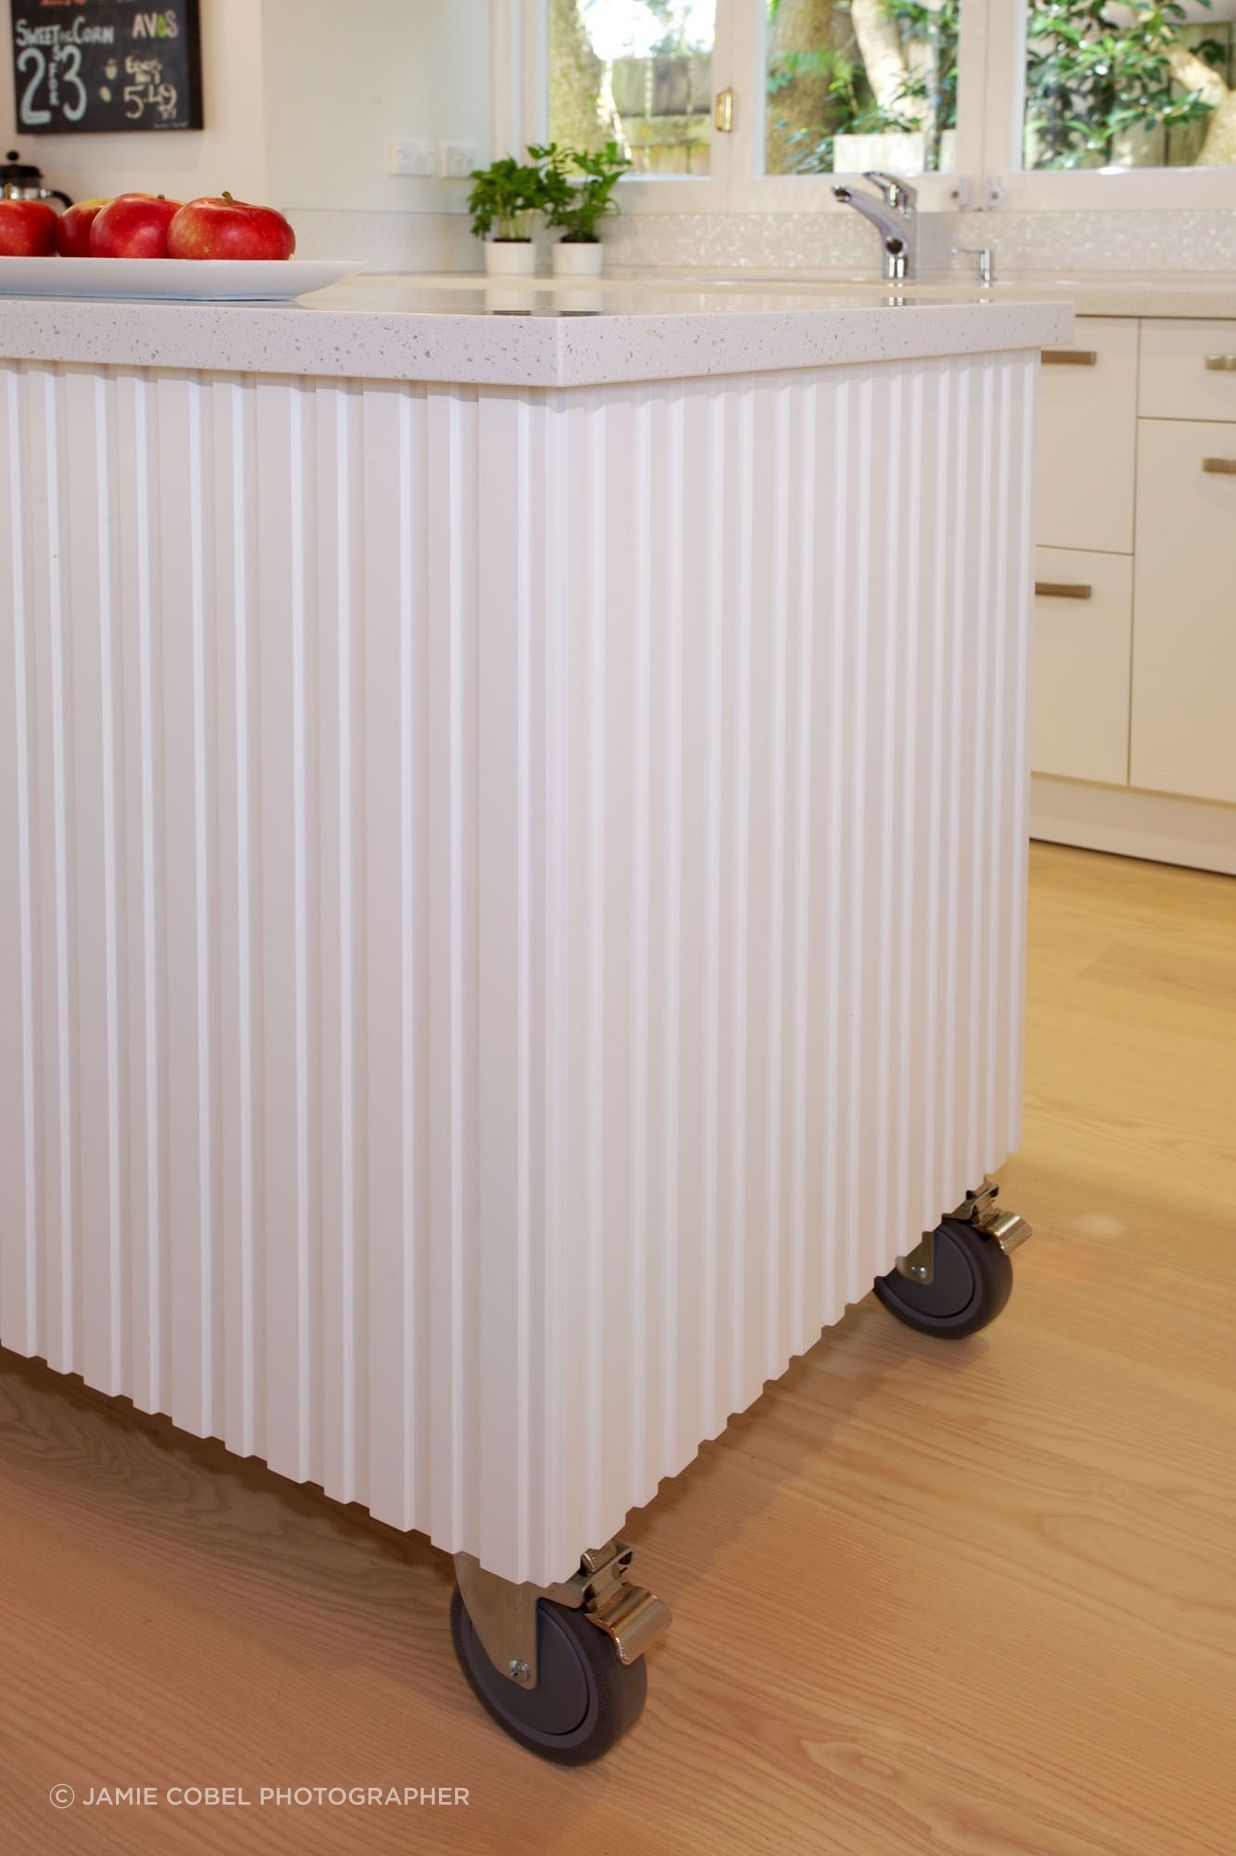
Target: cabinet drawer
(1082,634)
(1184,611)
(1088,425)
(1188,370)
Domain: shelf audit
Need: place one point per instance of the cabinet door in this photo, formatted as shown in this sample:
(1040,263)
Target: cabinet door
(1088,426)
(1184,610)
(1082,631)
(1188,370)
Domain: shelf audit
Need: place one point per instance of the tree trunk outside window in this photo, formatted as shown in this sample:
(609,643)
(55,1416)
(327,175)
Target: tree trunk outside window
(1219,148)
(798,28)
(580,110)
(880,43)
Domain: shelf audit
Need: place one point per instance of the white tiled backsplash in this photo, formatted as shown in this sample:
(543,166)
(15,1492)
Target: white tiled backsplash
(1198,239)
(1059,243)
(1201,240)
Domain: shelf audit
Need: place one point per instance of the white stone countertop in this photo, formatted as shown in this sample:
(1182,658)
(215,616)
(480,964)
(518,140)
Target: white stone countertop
(534,333)
(1202,294)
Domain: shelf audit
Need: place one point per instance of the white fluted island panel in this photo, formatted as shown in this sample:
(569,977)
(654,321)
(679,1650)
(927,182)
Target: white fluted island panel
(512,903)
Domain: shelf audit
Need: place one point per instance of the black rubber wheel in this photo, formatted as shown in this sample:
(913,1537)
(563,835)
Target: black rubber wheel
(584,1700)
(971,1281)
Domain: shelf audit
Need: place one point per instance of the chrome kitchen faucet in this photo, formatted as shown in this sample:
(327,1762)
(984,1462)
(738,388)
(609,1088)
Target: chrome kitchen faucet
(892,215)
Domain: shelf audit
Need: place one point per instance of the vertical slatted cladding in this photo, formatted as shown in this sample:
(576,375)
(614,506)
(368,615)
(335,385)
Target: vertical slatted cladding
(512,902)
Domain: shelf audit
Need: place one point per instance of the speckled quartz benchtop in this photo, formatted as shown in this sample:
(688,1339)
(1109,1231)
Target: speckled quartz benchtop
(530,334)
(1204,295)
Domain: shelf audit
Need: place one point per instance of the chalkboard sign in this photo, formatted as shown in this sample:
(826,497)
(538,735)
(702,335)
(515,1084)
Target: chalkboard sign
(93,66)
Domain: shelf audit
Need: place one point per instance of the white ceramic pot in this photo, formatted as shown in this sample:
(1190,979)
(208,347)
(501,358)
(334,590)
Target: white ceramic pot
(510,257)
(578,260)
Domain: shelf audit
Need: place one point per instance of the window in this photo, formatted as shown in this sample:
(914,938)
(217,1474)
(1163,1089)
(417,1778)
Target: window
(636,71)
(1040,102)
(865,84)
(1143,84)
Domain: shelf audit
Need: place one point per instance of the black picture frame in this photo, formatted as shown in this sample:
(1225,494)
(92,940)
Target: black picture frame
(51,73)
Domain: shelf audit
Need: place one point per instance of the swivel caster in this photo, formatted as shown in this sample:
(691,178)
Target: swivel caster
(961,1275)
(561,1670)
(585,1698)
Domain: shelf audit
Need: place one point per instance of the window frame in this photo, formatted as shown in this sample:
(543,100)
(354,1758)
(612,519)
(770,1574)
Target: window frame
(1009,184)
(991,98)
(520,36)
(754,191)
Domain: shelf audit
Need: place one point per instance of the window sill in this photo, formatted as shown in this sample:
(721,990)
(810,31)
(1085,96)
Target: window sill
(1118,189)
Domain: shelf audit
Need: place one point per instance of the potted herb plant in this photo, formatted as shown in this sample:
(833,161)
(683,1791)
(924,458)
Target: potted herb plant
(503,200)
(579,188)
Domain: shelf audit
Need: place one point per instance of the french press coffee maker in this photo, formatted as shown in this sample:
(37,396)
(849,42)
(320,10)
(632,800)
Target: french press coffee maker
(21,180)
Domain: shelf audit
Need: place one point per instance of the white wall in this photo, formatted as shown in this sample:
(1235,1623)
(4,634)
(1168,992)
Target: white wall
(343,76)
(229,152)
(301,97)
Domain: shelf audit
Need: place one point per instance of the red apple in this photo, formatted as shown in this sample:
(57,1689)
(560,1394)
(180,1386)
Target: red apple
(73,228)
(133,225)
(228,228)
(27,229)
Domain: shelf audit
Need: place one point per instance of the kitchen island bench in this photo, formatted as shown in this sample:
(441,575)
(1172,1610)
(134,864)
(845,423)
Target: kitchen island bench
(529,334)
(512,840)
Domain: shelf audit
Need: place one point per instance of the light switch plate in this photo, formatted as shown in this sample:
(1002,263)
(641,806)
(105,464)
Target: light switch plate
(412,155)
(456,160)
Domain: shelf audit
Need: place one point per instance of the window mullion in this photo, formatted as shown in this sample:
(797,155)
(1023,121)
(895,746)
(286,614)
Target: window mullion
(1003,87)
(519,65)
(974,49)
(738,161)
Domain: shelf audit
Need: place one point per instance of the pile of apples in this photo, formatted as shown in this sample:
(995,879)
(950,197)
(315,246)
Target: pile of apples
(145,225)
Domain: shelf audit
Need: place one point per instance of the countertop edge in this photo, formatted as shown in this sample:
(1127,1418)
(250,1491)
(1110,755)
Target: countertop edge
(517,351)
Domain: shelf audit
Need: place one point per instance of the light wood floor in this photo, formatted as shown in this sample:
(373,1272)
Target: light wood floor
(928,1598)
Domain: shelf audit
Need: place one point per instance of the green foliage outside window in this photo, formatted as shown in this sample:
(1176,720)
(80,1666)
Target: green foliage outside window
(1091,79)
(1093,76)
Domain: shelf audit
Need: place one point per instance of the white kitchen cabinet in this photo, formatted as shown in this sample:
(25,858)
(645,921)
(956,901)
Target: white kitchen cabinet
(1188,370)
(1133,742)
(1082,634)
(1088,420)
(1183,736)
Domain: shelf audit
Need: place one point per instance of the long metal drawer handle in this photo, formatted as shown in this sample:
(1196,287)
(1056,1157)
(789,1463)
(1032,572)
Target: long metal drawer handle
(1061,589)
(1220,363)
(1220,467)
(1069,357)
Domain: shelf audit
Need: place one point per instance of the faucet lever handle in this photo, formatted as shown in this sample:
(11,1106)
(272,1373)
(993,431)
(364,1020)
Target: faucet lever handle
(897,193)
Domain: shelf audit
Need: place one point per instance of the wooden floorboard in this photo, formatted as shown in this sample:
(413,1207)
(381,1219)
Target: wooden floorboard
(928,1598)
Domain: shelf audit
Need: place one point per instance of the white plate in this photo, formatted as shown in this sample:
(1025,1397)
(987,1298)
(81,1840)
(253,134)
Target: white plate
(172,280)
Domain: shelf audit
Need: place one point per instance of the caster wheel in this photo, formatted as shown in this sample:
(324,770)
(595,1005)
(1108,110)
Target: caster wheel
(585,1699)
(971,1281)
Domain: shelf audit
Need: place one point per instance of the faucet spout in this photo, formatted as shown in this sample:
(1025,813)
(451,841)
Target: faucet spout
(893,219)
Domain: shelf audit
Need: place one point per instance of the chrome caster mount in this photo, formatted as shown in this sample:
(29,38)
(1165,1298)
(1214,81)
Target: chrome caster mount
(960,1276)
(561,1667)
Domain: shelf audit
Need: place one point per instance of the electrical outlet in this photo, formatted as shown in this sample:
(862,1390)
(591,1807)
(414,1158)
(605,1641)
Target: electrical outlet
(456,160)
(412,155)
